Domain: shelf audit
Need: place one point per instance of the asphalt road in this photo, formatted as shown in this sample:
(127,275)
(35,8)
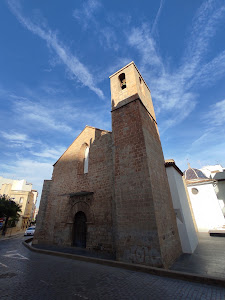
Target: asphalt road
(29,275)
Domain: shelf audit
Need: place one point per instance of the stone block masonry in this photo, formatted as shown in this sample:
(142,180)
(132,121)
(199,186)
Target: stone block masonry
(146,229)
(116,199)
(67,196)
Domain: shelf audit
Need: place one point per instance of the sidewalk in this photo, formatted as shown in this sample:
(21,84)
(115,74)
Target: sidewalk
(10,235)
(180,270)
(207,260)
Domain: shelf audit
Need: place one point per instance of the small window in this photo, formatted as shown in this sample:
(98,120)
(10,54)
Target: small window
(140,79)
(21,200)
(122,81)
(86,157)
(195,191)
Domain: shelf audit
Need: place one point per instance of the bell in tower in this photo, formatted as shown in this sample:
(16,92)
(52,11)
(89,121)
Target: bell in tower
(122,81)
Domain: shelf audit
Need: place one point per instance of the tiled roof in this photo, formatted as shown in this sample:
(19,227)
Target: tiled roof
(191,174)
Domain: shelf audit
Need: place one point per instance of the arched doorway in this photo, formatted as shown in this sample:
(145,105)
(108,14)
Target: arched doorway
(79,230)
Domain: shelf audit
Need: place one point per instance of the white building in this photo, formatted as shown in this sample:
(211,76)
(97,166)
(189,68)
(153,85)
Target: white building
(206,208)
(217,172)
(185,224)
(211,171)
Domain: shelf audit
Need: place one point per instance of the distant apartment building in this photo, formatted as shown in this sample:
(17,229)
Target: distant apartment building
(22,193)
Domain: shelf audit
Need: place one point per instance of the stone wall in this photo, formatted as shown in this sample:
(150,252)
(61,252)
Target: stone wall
(42,222)
(125,195)
(68,181)
(170,246)
(136,234)
(146,229)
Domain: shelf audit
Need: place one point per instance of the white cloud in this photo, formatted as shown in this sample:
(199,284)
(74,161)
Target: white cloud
(173,90)
(168,89)
(65,117)
(117,64)
(53,153)
(52,90)
(209,154)
(216,114)
(15,136)
(22,140)
(155,23)
(43,116)
(17,140)
(205,24)
(210,143)
(141,38)
(79,70)
(33,171)
(210,72)
(105,33)
(204,138)
(86,14)
(108,38)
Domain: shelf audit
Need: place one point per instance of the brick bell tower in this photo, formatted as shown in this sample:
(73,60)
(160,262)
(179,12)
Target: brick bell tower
(145,222)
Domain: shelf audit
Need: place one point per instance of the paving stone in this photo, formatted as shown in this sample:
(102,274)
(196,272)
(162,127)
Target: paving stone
(40,276)
(208,258)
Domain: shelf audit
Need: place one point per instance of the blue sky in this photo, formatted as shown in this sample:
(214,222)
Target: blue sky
(56,57)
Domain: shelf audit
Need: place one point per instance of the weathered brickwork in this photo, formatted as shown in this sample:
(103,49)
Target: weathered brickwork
(146,223)
(42,218)
(68,180)
(124,197)
(163,208)
(136,236)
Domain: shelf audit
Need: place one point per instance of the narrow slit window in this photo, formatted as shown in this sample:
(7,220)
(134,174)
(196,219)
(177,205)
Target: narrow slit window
(122,79)
(86,158)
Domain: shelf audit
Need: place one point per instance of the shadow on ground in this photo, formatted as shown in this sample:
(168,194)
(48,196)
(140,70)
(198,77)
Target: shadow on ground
(76,251)
(207,260)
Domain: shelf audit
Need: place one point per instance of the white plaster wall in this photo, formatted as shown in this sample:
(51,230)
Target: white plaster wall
(186,229)
(35,193)
(17,185)
(208,170)
(5,180)
(220,193)
(206,208)
(21,185)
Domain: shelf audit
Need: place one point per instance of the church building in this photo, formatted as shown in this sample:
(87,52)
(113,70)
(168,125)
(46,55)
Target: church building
(109,191)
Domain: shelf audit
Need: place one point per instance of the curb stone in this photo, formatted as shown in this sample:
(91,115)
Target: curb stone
(133,267)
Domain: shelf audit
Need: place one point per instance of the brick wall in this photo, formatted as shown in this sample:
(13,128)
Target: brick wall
(125,195)
(68,179)
(163,207)
(42,224)
(144,234)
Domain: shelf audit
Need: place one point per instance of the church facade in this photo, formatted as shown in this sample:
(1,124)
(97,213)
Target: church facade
(109,191)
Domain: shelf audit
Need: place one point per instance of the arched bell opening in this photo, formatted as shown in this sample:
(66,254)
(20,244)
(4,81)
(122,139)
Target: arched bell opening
(122,80)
